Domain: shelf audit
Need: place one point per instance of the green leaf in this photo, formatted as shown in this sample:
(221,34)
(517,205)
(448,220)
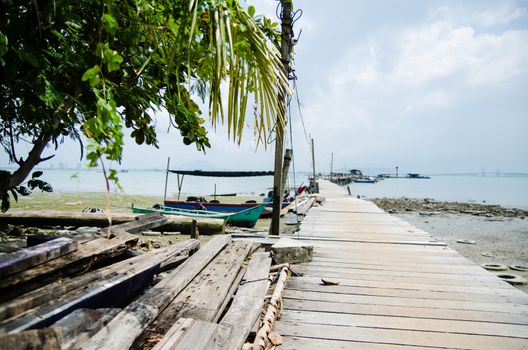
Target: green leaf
(111,24)
(23,190)
(92,75)
(36,174)
(251,10)
(30,58)
(3,44)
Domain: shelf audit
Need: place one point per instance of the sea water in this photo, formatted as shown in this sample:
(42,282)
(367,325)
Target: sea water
(505,191)
(152,182)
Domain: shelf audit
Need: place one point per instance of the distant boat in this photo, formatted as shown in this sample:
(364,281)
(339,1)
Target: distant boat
(417,176)
(366,180)
(245,218)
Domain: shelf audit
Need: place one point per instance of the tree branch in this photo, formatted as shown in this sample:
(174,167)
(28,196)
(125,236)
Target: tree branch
(13,153)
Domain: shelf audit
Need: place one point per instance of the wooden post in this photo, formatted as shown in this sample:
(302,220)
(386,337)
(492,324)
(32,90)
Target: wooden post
(194,230)
(331,166)
(314,185)
(166,179)
(286,167)
(286,44)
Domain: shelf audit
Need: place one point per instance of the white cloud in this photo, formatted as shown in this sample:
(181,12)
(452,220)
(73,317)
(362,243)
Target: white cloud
(487,14)
(439,50)
(502,14)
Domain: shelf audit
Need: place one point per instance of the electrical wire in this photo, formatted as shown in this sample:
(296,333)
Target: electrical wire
(300,112)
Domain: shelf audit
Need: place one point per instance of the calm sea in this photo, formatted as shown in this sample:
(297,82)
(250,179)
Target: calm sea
(505,191)
(150,182)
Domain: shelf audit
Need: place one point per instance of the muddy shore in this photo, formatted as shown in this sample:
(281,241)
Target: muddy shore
(500,234)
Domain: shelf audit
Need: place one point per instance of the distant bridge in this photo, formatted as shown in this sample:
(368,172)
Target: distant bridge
(487,174)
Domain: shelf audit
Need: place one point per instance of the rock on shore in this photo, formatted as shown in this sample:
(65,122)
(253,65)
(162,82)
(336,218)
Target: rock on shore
(431,207)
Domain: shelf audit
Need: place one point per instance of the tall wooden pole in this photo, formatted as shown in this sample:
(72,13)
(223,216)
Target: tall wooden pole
(314,185)
(166,179)
(332,166)
(286,45)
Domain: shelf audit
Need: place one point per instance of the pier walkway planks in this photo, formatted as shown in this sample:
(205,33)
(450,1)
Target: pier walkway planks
(398,288)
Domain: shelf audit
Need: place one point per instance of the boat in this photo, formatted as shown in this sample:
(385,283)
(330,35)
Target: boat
(245,218)
(417,176)
(366,180)
(199,203)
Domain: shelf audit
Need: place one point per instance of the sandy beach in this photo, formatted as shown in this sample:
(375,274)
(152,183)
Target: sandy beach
(500,234)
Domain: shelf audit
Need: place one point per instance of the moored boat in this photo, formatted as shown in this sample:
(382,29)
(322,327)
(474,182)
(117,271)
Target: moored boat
(209,206)
(366,180)
(245,218)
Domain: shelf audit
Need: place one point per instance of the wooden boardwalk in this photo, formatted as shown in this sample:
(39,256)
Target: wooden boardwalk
(398,288)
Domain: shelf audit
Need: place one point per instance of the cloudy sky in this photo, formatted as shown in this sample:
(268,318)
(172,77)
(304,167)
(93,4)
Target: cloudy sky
(429,86)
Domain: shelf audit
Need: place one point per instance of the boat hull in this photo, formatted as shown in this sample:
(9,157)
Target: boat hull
(216,207)
(244,218)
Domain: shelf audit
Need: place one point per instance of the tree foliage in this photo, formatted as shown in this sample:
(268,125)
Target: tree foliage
(93,67)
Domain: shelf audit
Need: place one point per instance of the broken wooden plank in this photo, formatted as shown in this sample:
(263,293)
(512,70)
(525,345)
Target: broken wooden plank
(109,292)
(123,330)
(204,297)
(247,304)
(86,254)
(83,323)
(189,334)
(22,259)
(55,290)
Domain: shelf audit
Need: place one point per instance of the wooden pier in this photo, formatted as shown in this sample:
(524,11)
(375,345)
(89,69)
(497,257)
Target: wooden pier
(398,288)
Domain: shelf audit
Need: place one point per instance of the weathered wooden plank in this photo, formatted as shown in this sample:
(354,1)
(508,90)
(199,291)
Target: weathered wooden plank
(255,281)
(399,285)
(20,260)
(86,254)
(406,293)
(407,323)
(399,337)
(375,300)
(109,292)
(247,304)
(189,334)
(492,283)
(481,275)
(63,218)
(384,240)
(405,311)
(296,343)
(122,331)
(81,324)
(376,264)
(205,295)
(35,339)
(58,289)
